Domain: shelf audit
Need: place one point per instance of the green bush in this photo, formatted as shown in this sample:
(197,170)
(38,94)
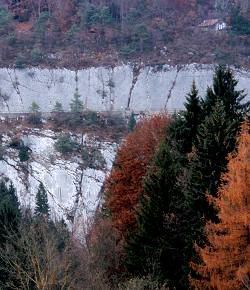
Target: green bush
(92,158)
(16,143)
(41,25)
(35,116)
(90,117)
(240,24)
(20,62)
(2,152)
(97,15)
(65,144)
(116,120)
(128,50)
(35,119)
(37,56)
(24,153)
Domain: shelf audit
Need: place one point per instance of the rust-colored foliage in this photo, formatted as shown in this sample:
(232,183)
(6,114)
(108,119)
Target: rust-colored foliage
(124,184)
(226,260)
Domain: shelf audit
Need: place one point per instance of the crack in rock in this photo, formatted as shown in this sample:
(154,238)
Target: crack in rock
(136,73)
(111,85)
(15,84)
(172,87)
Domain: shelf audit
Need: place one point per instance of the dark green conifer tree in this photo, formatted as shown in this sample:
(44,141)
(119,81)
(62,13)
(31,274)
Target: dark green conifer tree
(183,130)
(23,153)
(224,90)
(9,209)
(156,248)
(9,221)
(192,118)
(131,122)
(42,205)
(216,138)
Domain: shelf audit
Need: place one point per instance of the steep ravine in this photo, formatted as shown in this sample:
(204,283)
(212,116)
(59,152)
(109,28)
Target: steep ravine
(73,189)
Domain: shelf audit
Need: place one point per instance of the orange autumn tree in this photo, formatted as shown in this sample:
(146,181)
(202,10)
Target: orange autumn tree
(125,181)
(226,258)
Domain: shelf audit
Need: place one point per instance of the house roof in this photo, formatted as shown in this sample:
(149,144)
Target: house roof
(209,22)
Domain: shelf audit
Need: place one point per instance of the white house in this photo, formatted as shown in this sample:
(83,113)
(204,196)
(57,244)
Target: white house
(213,24)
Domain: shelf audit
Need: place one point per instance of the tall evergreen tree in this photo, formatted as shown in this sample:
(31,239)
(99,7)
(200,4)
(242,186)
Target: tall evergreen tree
(9,221)
(76,105)
(131,122)
(215,139)
(192,118)
(224,90)
(76,108)
(58,108)
(42,205)
(9,209)
(156,248)
(183,129)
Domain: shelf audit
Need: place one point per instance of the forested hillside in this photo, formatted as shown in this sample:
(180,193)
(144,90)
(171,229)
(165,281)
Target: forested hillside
(172,214)
(80,33)
(109,180)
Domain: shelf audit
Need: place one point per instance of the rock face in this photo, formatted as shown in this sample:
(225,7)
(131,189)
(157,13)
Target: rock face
(73,188)
(123,88)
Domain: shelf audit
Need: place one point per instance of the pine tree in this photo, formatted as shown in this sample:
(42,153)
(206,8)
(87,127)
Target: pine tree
(23,153)
(9,209)
(76,105)
(215,140)
(131,122)
(42,205)
(35,114)
(9,221)
(156,248)
(183,129)
(226,258)
(192,118)
(224,90)
(58,108)
(34,108)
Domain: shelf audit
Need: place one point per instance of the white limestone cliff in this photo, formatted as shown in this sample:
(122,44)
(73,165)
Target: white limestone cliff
(126,87)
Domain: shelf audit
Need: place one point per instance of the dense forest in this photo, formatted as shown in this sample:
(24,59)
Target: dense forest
(174,215)
(80,33)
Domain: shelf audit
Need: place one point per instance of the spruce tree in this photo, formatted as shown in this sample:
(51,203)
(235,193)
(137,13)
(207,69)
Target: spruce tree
(58,108)
(224,90)
(9,209)
(156,248)
(183,129)
(35,116)
(215,139)
(131,122)
(9,222)
(76,108)
(76,105)
(192,118)
(42,205)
